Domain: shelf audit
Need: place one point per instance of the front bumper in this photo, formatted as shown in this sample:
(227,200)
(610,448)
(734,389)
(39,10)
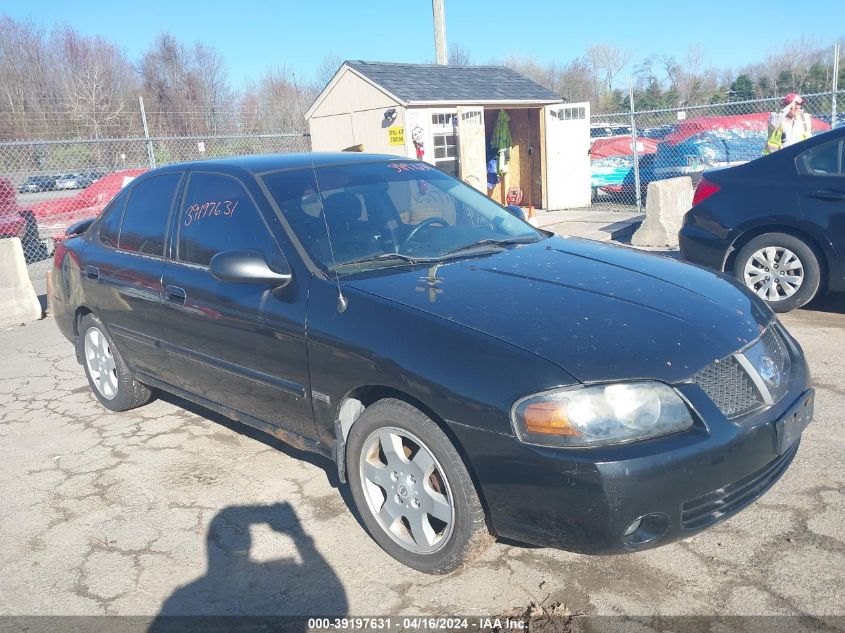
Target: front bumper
(584,500)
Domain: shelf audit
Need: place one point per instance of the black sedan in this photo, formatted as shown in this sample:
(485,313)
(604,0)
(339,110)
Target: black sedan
(465,372)
(34,184)
(777,223)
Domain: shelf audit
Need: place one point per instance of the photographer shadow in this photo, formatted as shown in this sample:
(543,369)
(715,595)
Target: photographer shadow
(238,592)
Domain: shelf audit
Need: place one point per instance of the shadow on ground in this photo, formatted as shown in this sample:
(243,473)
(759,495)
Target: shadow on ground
(833,302)
(327,465)
(240,593)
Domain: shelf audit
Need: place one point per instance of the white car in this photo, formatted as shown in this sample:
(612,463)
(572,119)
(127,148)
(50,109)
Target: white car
(71,181)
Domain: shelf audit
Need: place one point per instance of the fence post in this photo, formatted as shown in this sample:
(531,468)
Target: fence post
(150,153)
(634,150)
(835,85)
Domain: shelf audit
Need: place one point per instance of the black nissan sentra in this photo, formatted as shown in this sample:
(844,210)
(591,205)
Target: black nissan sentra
(468,374)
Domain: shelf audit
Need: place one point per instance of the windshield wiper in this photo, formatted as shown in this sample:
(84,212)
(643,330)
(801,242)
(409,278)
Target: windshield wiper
(386,257)
(526,239)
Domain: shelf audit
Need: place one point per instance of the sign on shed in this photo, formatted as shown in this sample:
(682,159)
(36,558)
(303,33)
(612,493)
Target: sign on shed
(396,135)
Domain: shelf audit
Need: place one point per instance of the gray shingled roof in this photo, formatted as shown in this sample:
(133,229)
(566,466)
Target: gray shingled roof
(435,82)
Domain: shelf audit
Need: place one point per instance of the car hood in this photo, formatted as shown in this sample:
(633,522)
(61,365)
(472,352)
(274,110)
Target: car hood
(599,312)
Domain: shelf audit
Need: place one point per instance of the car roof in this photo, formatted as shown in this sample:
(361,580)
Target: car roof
(261,163)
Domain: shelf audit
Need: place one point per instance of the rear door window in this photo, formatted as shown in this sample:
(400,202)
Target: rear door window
(146,214)
(824,160)
(219,215)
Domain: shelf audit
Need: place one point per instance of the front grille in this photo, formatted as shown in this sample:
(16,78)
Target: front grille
(728,386)
(776,349)
(719,504)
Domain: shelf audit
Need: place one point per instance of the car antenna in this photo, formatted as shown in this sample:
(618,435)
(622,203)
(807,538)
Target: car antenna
(342,301)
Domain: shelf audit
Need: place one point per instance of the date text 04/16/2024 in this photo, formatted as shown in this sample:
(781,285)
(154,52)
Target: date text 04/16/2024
(419,623)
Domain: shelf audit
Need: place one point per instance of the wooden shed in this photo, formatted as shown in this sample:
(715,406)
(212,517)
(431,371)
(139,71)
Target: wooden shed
(445,115)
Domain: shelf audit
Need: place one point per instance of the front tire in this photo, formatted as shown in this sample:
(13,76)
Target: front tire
(781,269)
(107,373)
(413,490)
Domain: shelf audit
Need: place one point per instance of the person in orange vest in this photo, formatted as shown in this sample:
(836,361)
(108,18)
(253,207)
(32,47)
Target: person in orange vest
(788,126)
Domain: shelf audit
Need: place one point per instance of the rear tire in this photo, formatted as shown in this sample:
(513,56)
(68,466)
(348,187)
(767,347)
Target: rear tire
(781,269)
(413,490)
(107,373)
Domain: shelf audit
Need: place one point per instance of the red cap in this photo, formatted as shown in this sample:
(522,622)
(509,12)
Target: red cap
(793,96)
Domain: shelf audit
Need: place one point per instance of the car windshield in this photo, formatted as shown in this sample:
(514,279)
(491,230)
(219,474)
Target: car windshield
(391,213)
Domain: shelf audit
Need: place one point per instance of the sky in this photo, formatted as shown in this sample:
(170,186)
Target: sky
(252,35)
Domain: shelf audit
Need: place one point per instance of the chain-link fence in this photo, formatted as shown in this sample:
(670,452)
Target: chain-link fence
(47,185)
(631,148)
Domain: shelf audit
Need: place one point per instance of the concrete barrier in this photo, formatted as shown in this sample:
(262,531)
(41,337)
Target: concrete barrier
(18,301)
(666,204)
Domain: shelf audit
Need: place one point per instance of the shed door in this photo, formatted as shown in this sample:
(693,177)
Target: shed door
(567,155)
(472,147)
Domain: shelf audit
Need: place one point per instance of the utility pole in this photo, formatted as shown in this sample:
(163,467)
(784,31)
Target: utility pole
(634,150)
(439,31)
(835,85)
(150,153)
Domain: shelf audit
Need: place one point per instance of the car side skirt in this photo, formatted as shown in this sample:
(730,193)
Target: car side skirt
(288,437)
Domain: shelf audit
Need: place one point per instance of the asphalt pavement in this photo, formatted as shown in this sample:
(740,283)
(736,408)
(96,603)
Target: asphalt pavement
(173,509)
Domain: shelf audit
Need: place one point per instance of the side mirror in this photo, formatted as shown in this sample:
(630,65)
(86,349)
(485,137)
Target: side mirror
(515,211)
(249,267)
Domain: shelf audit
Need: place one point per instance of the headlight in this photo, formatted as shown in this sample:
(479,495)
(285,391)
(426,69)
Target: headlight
(604,414)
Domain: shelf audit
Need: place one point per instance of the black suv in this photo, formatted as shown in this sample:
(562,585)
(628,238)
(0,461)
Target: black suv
(466,372)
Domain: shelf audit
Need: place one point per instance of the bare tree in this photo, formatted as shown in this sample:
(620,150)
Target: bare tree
(166,85)
(326,71)
(187,88)
(29,98)
(606,62)
(689,82)
(97,82)
(575,81)
(459,56)
(215,93)
(544,75)
(282,100)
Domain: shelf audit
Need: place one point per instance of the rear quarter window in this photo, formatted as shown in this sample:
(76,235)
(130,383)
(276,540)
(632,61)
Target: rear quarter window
(109,229)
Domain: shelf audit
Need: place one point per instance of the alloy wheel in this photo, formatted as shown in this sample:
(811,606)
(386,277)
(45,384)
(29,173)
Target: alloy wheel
(100,362)
(406,490)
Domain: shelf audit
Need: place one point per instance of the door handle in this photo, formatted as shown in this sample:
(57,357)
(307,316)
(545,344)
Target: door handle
(175,294)
(827,194)
(92,272)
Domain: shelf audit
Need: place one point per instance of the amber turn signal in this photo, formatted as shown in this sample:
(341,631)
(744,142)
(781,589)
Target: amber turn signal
(548,418)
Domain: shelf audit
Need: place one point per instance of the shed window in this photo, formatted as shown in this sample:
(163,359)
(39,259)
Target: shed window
(567,114)
(446,120)
(471,118)
(445,146)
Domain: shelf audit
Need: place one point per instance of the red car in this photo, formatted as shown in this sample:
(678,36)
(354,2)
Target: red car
(54,216)
(15,221)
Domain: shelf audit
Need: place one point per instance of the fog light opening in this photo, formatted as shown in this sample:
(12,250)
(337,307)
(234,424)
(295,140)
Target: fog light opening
(646,529)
